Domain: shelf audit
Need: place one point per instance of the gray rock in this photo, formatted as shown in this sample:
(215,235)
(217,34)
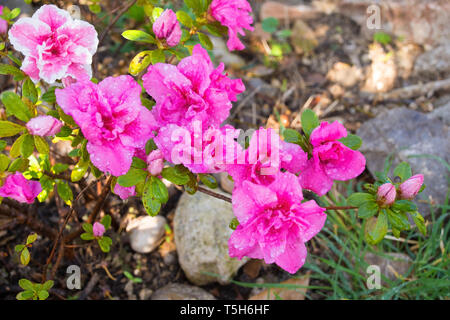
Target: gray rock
(441,113)
(145,233)
(406,134)
(225,183)
(176,291)
(395,264)
(201,229)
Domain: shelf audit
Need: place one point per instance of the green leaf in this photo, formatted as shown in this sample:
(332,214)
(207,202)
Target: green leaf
(208,180)
(138,163)
(382,38)
(156,13)
(64,132)
(138,35)
(87,236)
(25,257)
(185,19)
(404,205)
(8,129)
(158,56)
(60,167)
(4,162)
(79,170)
(140,62)
(48,285)
(31,238)
(233,224)
(25,295)
(15,106)
(309,121)
(152,206)
(420,222)
(352,141)
(132,178)
(292,136)
(150,146)
(403,170)
(29,90)
(87,227)
(19,248)
(50,97)
(196,6)
(41,145)
(3,145)
(7,69)
(64,191)
(19,164)
(106,221)
(43,294)
(270,24)
(26,284)
(104,243)
(95,8)
(14,13)
(175,175)
(367,210)
(205,41)
(398,220)
(27,146)
(159,190)
(376,228)
(358,198)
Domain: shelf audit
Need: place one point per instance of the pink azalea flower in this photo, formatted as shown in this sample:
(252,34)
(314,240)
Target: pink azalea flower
(112,119)
(55,46)
(155,161)
(386,194)
(201,152)
(124,192)
(3,23)
(274,224)
(193,90)
(331,159)
(98,229)
(411,187)
(18,188)
(44,126)
(234,14)
(167,27)
(264,158)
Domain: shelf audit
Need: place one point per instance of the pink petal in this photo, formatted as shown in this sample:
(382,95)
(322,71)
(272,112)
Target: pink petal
(293,257)
(52,16)
(327,132)
(349,165)
(113,157)
(27,34)
(314,178)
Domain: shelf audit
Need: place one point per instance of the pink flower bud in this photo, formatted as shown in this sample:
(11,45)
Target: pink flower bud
(98,229)
(155,161)
(386,194)
(167,27)
(44,126)
(410,188)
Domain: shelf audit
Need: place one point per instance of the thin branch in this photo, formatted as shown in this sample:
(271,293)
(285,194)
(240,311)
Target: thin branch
(214,194)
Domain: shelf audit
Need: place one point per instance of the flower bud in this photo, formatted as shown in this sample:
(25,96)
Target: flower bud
(410,188)
(3,23)
(167,27)
(386,194)
(44,126)
(155,161)
(98,229)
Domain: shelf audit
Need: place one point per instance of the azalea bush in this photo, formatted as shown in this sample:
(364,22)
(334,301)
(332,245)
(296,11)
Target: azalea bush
(164,120)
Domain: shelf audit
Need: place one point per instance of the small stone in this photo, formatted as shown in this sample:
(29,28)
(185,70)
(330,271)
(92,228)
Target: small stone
(129,290)
(226,183)
(382,72)
(145,294)
(201,229)
(146,233)
(284,293)
(177,291)
(344,74)
(222,54)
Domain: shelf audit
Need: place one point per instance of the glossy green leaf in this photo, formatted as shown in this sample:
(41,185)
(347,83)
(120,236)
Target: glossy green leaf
(15,106)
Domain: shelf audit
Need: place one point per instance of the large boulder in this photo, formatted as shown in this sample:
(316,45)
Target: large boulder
(201,229)
(420,139)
